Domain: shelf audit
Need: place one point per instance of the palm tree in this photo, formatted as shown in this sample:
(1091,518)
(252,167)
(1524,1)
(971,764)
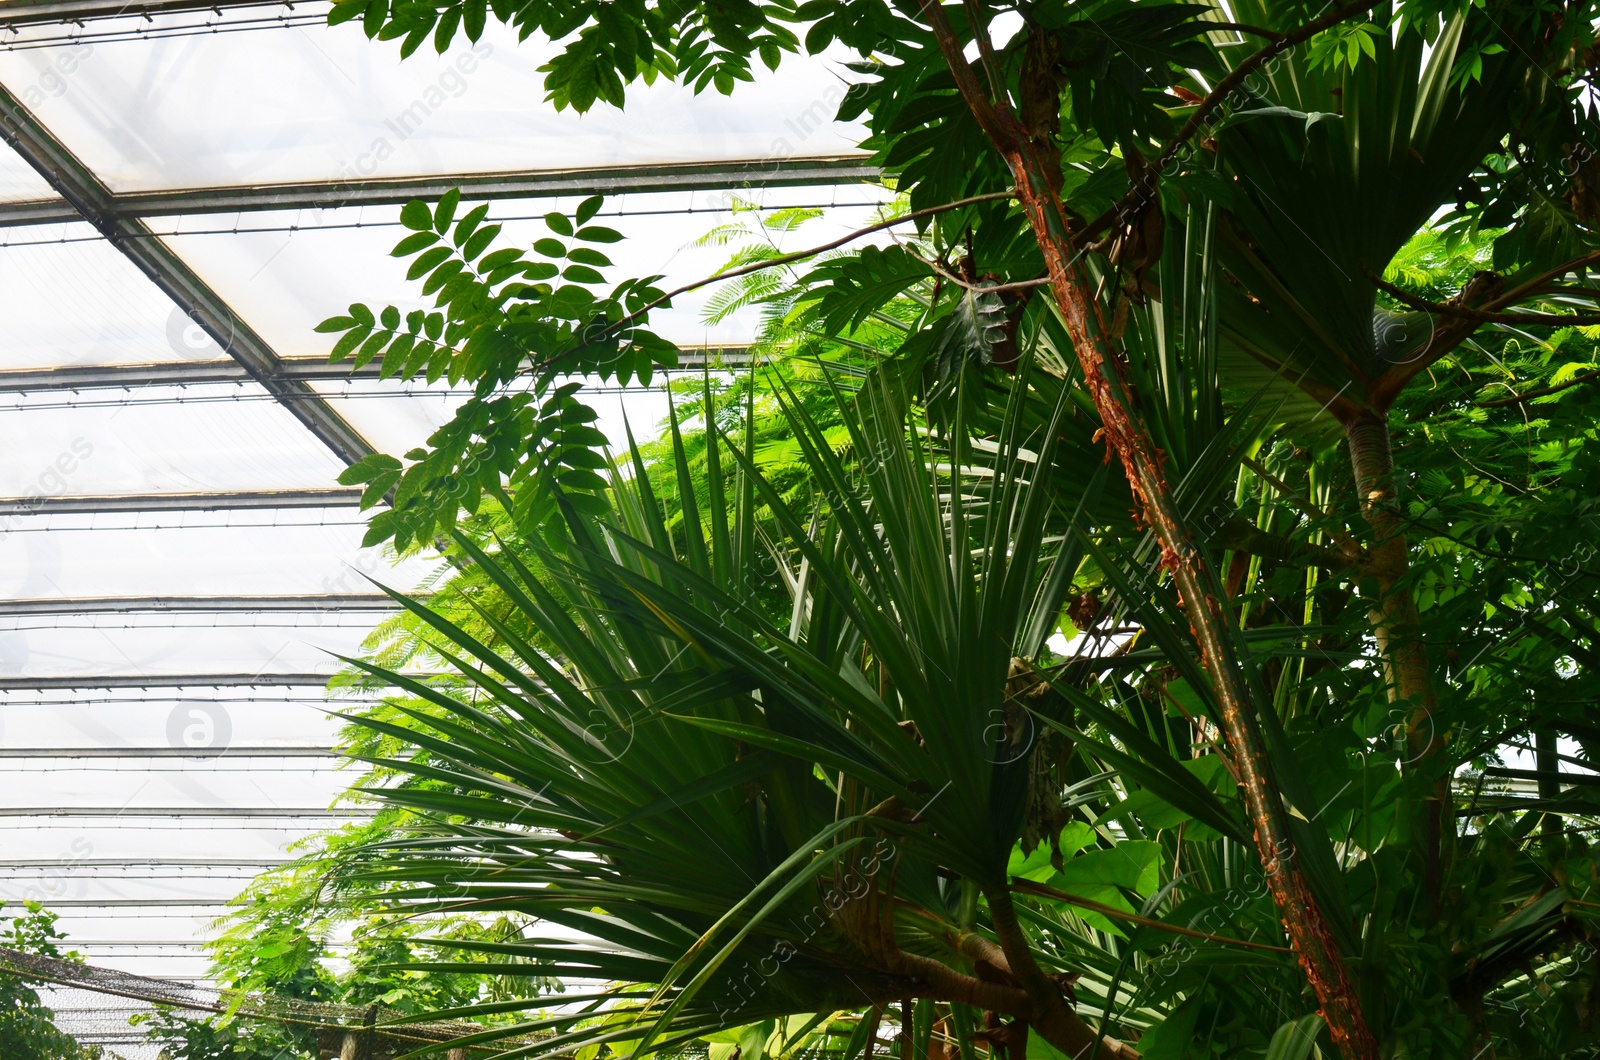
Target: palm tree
(1333,167)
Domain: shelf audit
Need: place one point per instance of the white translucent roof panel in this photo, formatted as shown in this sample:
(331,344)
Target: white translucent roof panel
(156,440)
(393,416)
(68,297)
(197,786)
(315,102)
(283,281)
(88,718)
(299,645)
(20,182)
(196,561)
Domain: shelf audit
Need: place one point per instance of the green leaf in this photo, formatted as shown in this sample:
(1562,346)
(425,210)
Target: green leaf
(1295,1039)
(582,274)
(588,208)
(588,256)
(480,242)
(558,224)
(473,17)
(333,324)
(550,248)
(598,234)
(445,212)
(499,258)
(469,224)
(426,261)
(413,243)
(348,342)
(416,215)
(372,20)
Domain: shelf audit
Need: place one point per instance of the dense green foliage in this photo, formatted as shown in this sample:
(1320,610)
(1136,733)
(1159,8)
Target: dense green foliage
(27,1025)
(767,733)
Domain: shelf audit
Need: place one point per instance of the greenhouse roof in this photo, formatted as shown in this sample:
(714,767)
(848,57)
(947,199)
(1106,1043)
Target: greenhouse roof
(186,189)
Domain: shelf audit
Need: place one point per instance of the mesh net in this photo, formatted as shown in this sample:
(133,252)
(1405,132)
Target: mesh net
(116,1011)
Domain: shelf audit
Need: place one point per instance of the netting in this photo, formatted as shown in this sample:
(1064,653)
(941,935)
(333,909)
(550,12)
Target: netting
(115,1011)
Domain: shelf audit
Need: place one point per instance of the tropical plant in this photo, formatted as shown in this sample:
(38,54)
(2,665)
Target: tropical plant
(27,1024)
(1246,205)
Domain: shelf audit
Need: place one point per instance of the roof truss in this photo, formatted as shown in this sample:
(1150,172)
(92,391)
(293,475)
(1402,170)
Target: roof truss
(332,194)
(93,202)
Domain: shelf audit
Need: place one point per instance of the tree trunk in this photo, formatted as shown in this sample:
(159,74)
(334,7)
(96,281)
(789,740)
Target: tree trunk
(1396,625)
(1029,161)
(1548,763)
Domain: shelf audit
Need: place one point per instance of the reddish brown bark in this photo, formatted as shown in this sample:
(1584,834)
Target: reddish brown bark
(1103,370)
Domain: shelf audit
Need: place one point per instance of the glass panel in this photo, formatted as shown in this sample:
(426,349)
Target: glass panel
(19,182)
(156,440)
(309,102)
(89,718)
(214,560)
(205,643)
(69,855)
(69,297)
(284,280)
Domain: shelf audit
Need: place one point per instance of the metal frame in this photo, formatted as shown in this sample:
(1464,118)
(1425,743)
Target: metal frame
(44,12)
(119,218)
(94,203)
(302,369)
(40,684)
(103,605)
(179,863)
(235,500)
(818,170)
(120,812)
(68,753)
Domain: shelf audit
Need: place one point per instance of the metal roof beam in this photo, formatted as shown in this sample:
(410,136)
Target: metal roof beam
(31,684)
(46,12)
(236,500)
(183,811)
(133,903)
(116,605)
(68,177)
(61,753)
(301,369)
(164,863)
(169,373)
(820,170)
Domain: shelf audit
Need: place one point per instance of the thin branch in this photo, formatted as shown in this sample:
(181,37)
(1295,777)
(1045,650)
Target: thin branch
(1245,27)
(999,288)
(1457,312)
(1544,391)
(1134,200)
(980,33)
(992,115)
(785,259)
(1527,287)
(1043,891)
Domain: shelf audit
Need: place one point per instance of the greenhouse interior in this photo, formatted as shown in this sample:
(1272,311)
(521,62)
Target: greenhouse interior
(824,530)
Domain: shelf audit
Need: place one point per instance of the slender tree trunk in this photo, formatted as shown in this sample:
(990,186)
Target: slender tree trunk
(1029,158)
(1053,1018)
(1548,765)
(1396,625)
